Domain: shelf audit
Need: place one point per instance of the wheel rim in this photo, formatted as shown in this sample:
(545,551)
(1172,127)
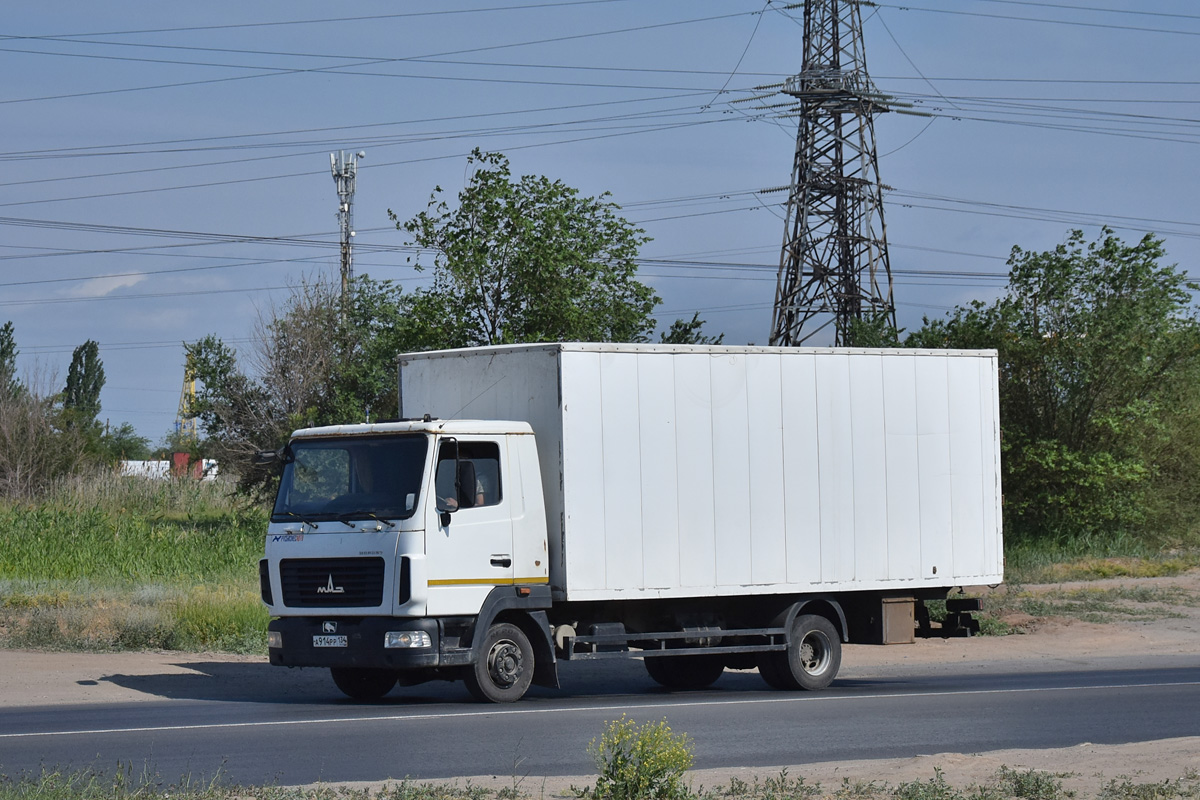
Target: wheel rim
(815,653)
(504,663)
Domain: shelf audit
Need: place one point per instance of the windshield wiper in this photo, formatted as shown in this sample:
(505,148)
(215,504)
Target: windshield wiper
(302,518)
(344,518)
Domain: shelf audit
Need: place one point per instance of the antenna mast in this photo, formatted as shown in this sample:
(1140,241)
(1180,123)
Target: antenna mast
(834,263)
(345,170)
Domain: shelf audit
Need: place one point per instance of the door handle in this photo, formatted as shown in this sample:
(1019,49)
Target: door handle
(501,561)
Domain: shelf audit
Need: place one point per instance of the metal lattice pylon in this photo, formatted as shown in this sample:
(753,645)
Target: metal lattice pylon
(834,266)
(185,419)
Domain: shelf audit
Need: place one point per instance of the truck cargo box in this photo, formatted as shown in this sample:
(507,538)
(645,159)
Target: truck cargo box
(682,471)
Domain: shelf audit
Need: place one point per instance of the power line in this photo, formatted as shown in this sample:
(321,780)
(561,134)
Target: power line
(394,141)
(654,128)
(200,238)
(355,60)
(1129,11)
(512,148)
(340,130)
(325,21)
(1079,23)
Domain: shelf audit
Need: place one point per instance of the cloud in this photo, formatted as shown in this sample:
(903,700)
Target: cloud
(106,285)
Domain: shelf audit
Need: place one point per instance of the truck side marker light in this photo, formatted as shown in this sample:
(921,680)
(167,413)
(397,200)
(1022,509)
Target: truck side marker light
(406,639)
(523,591)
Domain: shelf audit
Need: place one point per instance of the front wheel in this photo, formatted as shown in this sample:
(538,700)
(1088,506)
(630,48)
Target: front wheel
(504,669)
(361,683)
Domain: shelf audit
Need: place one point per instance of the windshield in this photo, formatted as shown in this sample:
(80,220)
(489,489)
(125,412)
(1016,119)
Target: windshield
(351,477)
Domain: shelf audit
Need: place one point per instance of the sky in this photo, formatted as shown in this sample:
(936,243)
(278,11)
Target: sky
(166,166)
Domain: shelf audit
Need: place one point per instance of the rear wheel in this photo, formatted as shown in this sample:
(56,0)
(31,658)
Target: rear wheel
(361,683)
(685,672)
(504,670)
(812,659)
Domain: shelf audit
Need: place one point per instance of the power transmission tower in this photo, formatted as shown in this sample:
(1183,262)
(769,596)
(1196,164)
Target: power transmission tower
(185,419)
(834,265)
(345,170)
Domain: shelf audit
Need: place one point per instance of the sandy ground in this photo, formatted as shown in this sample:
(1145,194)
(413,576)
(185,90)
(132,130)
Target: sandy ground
(29,678)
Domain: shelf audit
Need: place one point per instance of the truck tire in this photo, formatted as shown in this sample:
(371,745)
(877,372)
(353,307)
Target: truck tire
(504,669)
(811,660)
(361,683)
(774,670)
(685,672)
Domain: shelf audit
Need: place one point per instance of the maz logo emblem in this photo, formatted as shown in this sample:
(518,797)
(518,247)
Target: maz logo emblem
(329,588)
(328,627)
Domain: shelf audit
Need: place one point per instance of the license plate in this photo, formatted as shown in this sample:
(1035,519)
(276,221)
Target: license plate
(329,641)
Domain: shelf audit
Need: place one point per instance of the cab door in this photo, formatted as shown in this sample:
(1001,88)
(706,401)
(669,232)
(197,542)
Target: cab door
(467,558)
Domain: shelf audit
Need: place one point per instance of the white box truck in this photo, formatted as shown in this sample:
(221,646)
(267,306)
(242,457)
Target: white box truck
(698,507)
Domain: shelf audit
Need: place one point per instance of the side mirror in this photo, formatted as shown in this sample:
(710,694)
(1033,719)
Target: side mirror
(283,455)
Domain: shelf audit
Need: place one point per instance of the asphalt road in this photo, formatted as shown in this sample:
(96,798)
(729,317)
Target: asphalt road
(290,737)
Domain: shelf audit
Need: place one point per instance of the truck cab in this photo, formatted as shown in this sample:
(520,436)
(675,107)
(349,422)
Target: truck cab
(392,547)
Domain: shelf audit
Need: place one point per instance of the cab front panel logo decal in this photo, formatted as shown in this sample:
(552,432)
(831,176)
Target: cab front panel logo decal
(329,588)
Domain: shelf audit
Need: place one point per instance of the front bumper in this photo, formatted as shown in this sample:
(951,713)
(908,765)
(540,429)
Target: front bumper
(364,642)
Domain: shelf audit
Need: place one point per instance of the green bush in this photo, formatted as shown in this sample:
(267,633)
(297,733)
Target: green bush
(640,762)
(1099,351)
(1124,789)
(936,788)
(1032,784)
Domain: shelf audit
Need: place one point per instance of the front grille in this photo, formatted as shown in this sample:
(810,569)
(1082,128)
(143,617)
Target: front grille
(331,582)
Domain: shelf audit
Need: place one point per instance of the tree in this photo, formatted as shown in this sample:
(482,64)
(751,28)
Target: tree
(524,261)
(35,449)
(1098,344)
(85,379)
(684,332)
(529,261)
(873,330)
(316,361)
(8,360)
(123,443)
(47,434)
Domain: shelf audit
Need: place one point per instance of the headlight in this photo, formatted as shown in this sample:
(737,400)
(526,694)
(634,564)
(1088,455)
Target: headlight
(397,639)
(274,639)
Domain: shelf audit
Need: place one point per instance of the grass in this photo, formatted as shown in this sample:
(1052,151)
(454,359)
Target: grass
(1015,608)
(131,531)
(1094,557)
(228,618)
(123,784)
(1006,784)
(111,563)
(1082,559)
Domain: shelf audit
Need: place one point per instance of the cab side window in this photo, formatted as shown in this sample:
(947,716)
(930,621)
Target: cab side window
(487,491)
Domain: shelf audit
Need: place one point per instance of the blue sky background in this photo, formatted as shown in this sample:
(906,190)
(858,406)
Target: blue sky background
(153,151)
